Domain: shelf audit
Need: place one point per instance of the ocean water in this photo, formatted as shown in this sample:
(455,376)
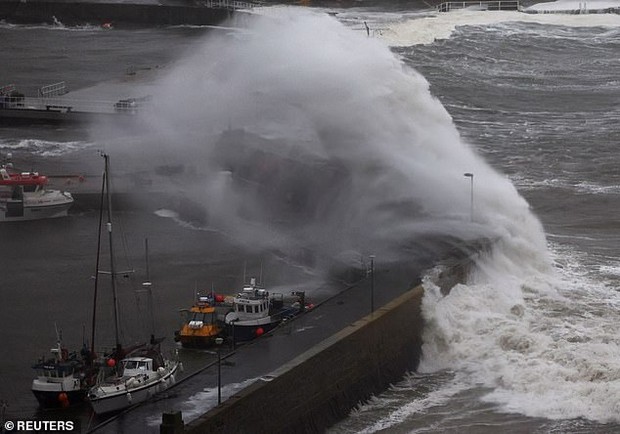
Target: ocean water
(526,103)
(521,348)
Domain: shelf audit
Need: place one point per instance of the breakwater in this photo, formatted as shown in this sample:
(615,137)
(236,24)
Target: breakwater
(73,13)
(321,386)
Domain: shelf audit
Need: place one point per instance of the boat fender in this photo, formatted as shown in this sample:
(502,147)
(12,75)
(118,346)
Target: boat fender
(129,398)
(64,399)
(181,369)
(161,371)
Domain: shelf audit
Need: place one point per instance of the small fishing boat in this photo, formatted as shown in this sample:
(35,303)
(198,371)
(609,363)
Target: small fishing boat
(23,196)
(200,328)
(63,379)
(255,311)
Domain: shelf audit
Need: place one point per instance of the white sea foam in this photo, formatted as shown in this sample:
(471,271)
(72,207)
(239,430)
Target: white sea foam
(547,345)
(427,29)
(44,148)
(393,412)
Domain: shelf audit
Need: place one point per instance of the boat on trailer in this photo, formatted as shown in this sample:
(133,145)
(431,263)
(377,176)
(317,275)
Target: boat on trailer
(24,196)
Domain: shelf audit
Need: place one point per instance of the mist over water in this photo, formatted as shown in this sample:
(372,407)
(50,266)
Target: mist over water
(299,132)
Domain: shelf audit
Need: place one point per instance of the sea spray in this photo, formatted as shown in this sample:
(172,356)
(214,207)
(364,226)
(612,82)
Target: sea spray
(299,132)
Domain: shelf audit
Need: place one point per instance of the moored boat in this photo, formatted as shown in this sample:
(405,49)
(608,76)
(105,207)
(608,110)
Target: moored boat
(201,328)
(255,312)
(129,376)
(23,196)
(63,379)
(139,375)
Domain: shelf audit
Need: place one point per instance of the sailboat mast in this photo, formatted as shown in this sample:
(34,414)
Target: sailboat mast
(112,269)
(92,336)
(147,286)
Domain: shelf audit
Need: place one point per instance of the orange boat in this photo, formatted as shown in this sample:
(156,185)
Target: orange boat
(201,327)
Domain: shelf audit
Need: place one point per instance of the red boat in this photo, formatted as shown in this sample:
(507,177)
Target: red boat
(23,196)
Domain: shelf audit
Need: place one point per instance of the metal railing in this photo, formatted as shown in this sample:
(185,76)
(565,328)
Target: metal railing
(231,4)
(497,5)
(55,89)
(65,105)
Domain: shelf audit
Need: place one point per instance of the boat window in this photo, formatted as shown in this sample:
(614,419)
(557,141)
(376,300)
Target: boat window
(131,364)
(29,188)
(143,365)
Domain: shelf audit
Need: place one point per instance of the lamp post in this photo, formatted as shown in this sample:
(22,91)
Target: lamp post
(232,326)
(218,342)
(471,190)
(372,283)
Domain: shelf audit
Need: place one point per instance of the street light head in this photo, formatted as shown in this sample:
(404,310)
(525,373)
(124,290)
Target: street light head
(469,175)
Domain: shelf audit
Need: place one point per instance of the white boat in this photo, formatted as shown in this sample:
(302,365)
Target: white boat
(140,375)
(128,377)
(23,196)
(255,312)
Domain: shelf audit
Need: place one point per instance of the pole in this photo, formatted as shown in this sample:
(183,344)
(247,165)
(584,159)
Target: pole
(219,376)
(372,283)
(471,191)
(218,342)
(101,205)
(232,323)
(112,269)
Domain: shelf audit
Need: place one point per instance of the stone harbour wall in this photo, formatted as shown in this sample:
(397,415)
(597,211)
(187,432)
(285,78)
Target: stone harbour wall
(322,385)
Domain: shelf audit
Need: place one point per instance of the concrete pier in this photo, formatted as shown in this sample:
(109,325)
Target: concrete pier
(124,14)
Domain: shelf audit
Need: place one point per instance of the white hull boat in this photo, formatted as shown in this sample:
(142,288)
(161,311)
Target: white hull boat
(140,378)
(23,196)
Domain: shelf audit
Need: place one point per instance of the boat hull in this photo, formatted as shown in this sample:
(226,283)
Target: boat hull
(197,341)
(16,211)
(242,331)
(52,399)
(126,397)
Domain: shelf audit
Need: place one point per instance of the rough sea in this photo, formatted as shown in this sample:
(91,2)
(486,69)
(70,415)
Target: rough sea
(527,103)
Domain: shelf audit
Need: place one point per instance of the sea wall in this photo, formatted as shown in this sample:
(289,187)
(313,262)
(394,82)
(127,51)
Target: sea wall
(322,385)
(117,14)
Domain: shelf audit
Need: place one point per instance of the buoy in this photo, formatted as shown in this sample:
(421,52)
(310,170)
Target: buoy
(111,363)
(259,331)
(63,398)
(219,298)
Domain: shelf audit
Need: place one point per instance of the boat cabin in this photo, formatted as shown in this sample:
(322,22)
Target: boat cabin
(55,372)
(136,365)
